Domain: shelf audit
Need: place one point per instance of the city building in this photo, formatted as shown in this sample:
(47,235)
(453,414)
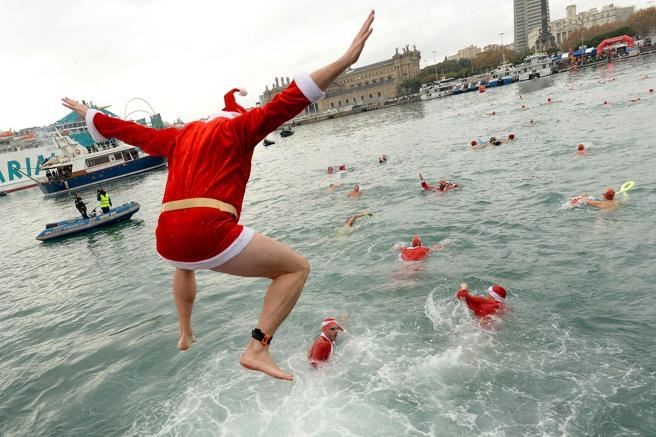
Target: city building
(528,15)
(467,53)
(573,22)
(369,85)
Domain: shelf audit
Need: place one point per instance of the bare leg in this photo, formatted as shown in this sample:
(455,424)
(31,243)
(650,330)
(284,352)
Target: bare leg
(184,293)
(267,258)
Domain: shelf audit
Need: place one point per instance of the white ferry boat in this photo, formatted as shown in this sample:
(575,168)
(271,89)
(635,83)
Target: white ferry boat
(76,166)
(433,90)
(537,65)
(21,157)
(504,74)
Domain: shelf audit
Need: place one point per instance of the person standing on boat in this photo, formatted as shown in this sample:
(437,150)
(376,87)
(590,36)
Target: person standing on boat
(81,206)
(104,199)
(209,167)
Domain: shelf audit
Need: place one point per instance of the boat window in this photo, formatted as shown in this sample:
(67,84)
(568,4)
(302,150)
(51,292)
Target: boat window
(118,155)
(98,160)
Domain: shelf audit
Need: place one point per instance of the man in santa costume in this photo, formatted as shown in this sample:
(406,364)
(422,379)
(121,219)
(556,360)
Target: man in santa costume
(417,251)
(209,166)
(484,306)
(323,346)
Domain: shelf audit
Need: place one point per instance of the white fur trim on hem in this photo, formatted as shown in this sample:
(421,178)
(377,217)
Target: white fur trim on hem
(308,87)
(95,134)
(223,114)
(232,251)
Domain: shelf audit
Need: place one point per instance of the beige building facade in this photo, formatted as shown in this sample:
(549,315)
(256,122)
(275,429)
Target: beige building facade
(467,53)
(573,22)
(369,85)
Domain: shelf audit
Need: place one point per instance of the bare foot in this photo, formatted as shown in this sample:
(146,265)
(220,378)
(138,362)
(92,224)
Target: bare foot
(185,342)
(256,357)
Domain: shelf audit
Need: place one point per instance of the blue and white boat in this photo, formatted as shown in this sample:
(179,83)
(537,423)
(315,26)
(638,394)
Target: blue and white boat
(75,226)
(75,166)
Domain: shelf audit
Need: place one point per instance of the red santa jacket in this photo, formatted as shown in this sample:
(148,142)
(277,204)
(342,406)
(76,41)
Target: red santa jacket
(206,159)
(321,350)
(414,253)
(481,306)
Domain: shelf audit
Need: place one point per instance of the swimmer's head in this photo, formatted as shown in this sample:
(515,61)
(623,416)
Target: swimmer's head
(330,169)
(511,136)
(473,142)
(342,167)
(497,292)
(330,327)
(532,121)
(651,91)
(356,188)
(548,99)
(580,148)
(605,102)
(494,112)
(609,194)
(523,106)
(77,195)
(416,241)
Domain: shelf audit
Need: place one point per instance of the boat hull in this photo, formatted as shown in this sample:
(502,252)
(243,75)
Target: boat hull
(107,174)
(66,228)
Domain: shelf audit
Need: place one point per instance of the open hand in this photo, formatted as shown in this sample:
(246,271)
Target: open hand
(80,108)
(353,53)
(464,286)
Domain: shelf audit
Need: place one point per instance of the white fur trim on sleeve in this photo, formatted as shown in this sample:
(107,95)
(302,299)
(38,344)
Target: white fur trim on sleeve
(308,87)
(95,134)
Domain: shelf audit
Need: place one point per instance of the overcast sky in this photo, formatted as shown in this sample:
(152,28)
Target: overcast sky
(182,56)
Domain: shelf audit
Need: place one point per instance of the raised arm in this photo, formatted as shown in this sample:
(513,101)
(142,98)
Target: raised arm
(256,124)
(155,142)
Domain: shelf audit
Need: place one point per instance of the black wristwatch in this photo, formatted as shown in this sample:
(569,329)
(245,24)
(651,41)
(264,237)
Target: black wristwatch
(261,336)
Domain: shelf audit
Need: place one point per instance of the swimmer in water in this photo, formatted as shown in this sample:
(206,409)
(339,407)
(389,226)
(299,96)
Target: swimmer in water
(491,114)
(636,100)
(580,150)
(605,102)
(483,306)
(332,187)
(651,91)
(493,141)
(442,185)
(382,159)
(511,137)
(417,251)
(348,224)
(549,101)
(476,145)
(609,201)
(355,192)
(523,107)
(322,348)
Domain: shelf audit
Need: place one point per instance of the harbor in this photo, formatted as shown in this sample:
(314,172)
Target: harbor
(571,358)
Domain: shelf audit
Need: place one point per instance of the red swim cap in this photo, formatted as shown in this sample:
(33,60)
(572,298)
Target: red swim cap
(473,142)
(342,167)
(609,194)
(580,147)
(416,241)
(497,292)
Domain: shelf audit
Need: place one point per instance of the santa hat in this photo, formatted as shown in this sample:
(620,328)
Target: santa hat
(231,104)
(497,292)
(328,322)
(416,241)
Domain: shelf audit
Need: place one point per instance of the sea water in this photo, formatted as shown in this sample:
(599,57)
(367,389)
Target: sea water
(89,329)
